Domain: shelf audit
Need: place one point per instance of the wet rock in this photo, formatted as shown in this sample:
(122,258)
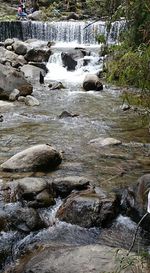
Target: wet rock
(75,259)
(43,199)
(38,55)
(21,218)
(41,78)
(35,191)
(68,61)
(92,82)
(11,79)
(31,101)
(89,209)
(39,157)
(134,201)
(1,118)
(66,114)
(56,85)
(20,47)
(142,190)
(3,221)
(14,95)
(105,141)
(50,43)
(10,57)
(40,65)
(64,186)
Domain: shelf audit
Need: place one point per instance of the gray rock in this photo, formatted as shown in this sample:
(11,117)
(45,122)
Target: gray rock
(36,15)
(25,219)
(68,61)
(39,157)
(64,186)
(20,47)
(31,71)
(104,141)
(79,259)
(38,55)
(35,191)
(31,101)
(8,42)
(11,79)
(14,95)
(92,82)
(21,98)
(10,48)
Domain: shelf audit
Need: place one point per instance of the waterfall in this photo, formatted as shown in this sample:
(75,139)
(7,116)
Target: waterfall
(64,31)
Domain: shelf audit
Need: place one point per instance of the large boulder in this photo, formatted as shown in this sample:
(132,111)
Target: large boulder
(7,56)
(79,259)
(89,209)
(36,191)
(92,82)
(68,61)
(11,79)
(38,55)
(39,157)
(20,47)
(32,72)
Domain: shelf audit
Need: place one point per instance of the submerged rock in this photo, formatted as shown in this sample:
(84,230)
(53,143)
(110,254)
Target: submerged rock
(101,141)
(39,157)
(66,114)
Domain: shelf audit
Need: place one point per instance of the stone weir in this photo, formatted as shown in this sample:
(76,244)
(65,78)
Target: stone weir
(62,31)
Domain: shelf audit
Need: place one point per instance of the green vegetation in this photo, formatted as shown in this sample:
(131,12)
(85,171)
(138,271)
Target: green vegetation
(130,67)
(130,60)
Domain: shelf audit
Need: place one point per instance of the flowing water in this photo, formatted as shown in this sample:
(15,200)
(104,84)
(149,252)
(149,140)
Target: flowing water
(99,114)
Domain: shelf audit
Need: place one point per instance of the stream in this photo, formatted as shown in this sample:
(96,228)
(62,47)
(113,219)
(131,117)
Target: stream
(99,114)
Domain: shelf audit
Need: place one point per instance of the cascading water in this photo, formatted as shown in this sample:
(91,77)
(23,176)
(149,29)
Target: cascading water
(64,31)
(58,72)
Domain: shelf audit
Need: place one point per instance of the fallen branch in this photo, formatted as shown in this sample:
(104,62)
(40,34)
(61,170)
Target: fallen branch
(91,23)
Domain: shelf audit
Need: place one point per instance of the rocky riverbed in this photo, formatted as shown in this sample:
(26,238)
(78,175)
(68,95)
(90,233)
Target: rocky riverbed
(70,163)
